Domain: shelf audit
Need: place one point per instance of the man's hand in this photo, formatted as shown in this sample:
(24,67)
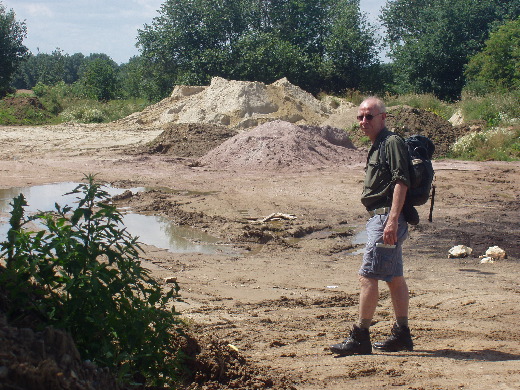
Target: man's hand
(390,232)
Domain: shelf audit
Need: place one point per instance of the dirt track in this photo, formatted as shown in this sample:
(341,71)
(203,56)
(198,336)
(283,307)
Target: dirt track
(292,289)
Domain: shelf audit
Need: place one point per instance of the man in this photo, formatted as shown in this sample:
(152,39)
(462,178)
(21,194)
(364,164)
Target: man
(383,196)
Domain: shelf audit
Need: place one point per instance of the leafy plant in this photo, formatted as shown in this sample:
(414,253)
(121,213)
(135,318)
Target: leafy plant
(82,273)
(493,108)
(492,144)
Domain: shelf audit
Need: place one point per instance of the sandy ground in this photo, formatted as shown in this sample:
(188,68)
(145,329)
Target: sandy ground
(291,288)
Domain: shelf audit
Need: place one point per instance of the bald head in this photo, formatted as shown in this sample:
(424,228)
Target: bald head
(375,102)
(372,116)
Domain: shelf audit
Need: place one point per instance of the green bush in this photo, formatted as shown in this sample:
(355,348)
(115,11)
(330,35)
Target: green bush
(84,113)
(82,273)
(493,108)
(93,111)
(494,144)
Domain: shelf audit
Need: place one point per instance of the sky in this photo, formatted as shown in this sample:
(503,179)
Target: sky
(97,26)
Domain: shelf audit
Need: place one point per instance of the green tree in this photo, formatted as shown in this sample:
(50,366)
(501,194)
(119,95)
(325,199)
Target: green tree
(497,66)
(42,68)
(72,67)
(100,79)
(318,44)
(431,40)
(50,69)
(12,50)
(349,48)
(131,78)
(265,57)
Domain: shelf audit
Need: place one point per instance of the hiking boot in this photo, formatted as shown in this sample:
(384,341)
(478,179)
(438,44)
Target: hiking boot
(358,343)
(410,214)
(399,340)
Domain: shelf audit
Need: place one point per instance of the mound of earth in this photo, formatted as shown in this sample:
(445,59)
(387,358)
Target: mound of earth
(197,119)
(46,360)
(49,359)
(24,106)
(282,145)
(407,121)
(237,104)
(188,139)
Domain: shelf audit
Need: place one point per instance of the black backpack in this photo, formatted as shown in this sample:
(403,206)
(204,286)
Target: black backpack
(420,152)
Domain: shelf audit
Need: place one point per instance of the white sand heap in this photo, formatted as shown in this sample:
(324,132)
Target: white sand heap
(241,104)
(282,145)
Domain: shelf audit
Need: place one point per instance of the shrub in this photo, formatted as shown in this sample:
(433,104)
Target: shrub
(82,273)
(83,114)
(494,108)
(493,144)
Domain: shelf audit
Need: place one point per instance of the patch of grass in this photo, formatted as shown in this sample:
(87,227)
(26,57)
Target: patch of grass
(91,111)
(23,110)
(494,108)
(426,102)
(54,105)
(354,96)
(499,143)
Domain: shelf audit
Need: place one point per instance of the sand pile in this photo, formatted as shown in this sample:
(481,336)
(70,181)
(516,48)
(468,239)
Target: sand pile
(280,145)
(239,104)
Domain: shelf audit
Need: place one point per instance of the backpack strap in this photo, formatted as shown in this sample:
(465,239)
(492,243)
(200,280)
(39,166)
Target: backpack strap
(384,163)
(432,201)
(382,153)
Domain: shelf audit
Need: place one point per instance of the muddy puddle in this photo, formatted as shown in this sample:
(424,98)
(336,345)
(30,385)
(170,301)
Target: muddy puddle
(152,230)
(360,238)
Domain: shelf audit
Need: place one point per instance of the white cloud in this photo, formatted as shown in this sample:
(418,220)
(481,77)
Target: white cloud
(38,10)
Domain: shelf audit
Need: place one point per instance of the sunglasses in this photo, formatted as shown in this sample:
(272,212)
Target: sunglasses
(367,116)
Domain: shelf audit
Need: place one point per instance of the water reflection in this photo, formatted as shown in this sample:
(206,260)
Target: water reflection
(151,230)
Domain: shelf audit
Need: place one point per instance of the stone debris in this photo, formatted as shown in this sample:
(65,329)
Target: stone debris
(493,254)
(496,253)
(459,251)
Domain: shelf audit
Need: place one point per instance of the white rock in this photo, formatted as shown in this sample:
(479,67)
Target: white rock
(487,260)
(459,251)
(457,118)
(496,253)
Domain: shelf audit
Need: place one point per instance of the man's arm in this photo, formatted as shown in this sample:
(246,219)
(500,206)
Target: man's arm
(390,232)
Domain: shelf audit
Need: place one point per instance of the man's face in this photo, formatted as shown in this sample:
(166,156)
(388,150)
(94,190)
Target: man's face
(373,126)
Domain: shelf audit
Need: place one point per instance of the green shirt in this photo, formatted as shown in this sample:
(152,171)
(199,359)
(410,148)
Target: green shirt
(380,177)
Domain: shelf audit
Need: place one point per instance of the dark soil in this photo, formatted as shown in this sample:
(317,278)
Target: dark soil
(188,139)
(407,121)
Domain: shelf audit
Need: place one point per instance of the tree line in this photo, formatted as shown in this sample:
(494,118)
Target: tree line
(435,46)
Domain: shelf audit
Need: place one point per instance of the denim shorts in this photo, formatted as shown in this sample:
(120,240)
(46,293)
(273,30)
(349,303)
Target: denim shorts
(380,262)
